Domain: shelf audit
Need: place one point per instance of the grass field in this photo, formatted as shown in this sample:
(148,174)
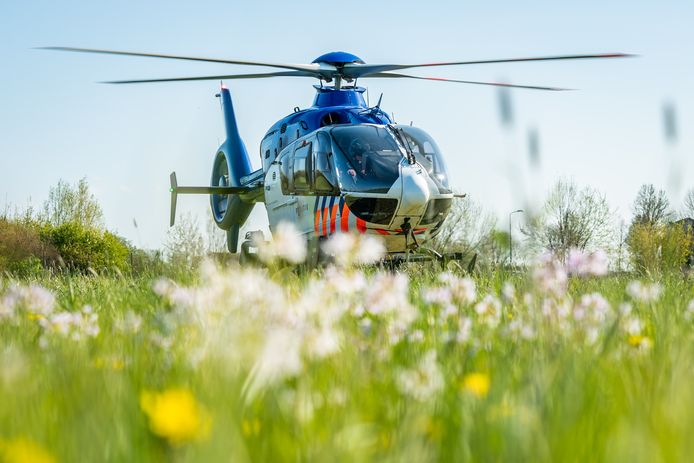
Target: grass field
(347,365)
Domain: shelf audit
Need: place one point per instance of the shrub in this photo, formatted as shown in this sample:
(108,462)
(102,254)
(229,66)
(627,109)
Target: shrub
(21,249)
(82,247)
(658,248)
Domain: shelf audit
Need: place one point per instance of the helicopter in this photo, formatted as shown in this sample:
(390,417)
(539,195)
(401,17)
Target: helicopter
(338,166)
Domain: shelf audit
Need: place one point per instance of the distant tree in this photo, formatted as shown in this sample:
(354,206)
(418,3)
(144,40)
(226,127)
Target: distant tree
(651,206)
(571,218)
(468,229)
(184,243)
(499,244)
(688,209)
(216,239)
(67,203)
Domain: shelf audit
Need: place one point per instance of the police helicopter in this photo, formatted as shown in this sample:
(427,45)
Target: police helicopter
(337,166)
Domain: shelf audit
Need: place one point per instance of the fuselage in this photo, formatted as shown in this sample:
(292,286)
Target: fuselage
(341,166)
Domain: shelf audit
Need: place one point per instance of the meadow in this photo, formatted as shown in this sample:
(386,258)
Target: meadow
(553,362)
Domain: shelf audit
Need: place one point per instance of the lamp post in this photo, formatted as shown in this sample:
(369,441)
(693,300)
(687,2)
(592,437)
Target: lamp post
(510,238)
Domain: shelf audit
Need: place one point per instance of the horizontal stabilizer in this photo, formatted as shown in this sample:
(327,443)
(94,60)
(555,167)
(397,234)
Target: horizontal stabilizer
(205,190)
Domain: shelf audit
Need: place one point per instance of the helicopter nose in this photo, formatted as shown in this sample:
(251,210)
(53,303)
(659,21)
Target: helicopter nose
(415,191)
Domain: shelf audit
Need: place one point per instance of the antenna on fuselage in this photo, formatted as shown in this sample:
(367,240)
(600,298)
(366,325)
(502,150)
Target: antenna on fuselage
(378,105)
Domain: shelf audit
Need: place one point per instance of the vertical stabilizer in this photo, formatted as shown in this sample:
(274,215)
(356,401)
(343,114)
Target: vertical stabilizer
(240,163)
(231,164)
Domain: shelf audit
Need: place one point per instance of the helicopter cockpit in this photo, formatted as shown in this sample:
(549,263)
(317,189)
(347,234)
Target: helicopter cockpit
(358,158)
(428,154)
(367,157)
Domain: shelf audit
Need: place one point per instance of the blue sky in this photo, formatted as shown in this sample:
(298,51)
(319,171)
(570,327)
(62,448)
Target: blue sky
(57,123)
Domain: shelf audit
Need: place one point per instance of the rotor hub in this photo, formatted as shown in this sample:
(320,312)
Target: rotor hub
(338,59)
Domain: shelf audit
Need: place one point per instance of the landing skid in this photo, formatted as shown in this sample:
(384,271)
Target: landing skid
(396,260)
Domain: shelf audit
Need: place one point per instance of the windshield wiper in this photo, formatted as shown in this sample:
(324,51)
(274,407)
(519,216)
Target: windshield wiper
(400,136)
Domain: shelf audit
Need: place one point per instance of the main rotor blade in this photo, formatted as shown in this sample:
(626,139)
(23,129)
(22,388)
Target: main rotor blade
(231,76)
(442,79)
(296,67)
(363,70)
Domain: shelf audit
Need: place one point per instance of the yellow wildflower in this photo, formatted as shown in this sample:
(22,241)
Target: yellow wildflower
(477,384)
(23,450)
(176,415)
(640,341)
(250,427)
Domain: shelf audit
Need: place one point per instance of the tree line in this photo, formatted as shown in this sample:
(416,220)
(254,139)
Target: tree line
(657,239)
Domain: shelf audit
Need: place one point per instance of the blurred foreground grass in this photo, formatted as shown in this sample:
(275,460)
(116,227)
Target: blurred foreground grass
(346,365)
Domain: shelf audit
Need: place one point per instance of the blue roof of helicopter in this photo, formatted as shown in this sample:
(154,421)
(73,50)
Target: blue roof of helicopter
(347,104)
(338,57)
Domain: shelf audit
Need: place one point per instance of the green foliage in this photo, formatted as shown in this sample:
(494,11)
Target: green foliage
(658,248)
(21,249)
(77,204)
(82,248)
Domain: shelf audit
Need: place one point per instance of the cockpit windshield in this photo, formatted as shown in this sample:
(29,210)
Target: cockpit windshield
(369,160)
(427,154)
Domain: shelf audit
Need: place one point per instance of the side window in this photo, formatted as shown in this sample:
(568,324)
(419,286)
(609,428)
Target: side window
(324,179)
(285,172)
(302,168)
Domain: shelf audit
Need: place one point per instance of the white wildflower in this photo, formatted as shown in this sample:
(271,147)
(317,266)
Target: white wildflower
(280,357)
(550,276)
(324,342)
(508,291)
(592,308)
(130,323)
(449,310)
(416,336)
(424,381)
(580,263)
(344,283)
(349,249)
(13,366)
(35,300)
(464,330)
(287,244)
(489,310)
(388,294)
(72,325)
(625,309)
(644,292)
(370,250)
(463,290)
(689,314)
(439,295)
(633,326)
